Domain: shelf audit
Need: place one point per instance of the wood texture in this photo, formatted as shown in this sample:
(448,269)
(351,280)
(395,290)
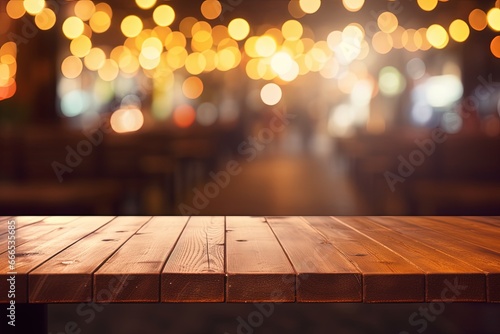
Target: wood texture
(439,267)
(67,277)
(254,259)
(485,259)
(138,263)
(35,252)
(257,268)
(195,270)
(382,269)
(324,274)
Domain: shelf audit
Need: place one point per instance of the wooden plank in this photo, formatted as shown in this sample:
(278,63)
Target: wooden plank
(482,258)
(35,252)
(481,235)
(139,261)
(440,268)
(67,277)
(257,268)
(387,277)
(35,231)
(20,223)
(324,274)
(495,221)
(194,271)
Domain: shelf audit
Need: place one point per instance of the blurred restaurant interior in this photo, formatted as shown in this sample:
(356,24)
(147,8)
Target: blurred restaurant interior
(238,107)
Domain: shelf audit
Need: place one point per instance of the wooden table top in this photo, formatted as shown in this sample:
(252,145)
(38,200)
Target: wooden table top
(253,259)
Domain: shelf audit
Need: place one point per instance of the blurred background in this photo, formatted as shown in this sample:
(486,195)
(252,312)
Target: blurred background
(249,107)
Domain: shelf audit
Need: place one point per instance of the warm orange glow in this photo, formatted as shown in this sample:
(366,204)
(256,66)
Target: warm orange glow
(126,120)
(211,9)
(192,87)
(184,116)
(495,46)
(477,19)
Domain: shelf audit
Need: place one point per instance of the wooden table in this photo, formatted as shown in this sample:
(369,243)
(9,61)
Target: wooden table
(253,259)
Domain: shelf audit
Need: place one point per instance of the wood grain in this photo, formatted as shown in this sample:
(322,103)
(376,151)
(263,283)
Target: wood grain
(439,267)
(20,223)
(138,263)
(195,270)
(382,269)
(324,274)
(485,259)
(257,268)
(67,277)
(35,252)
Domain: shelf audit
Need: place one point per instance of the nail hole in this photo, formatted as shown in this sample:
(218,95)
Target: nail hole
(241,240)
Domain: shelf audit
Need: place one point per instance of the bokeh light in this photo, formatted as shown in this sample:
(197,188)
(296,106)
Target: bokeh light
(184,116)
(459,30)
(127,120)
(71,67)
(309,6)
(164,15)
(192,87)
(437,36)
(238,29)
(271,94)
(72,27)
(495,46)
(131,26)
(46,19)
(477,19)
(427,5)
(353,5)
(145,4)
(211,9)
(493,18)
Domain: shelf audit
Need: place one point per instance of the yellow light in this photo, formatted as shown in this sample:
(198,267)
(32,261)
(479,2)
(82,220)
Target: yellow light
(164,15)
(145,4)
(202,41)
(459,30)
(238,29)
(71,67)
(100,22)
(477,20)
(281,63)
(292,30)
(84,9)
(211,9)
(174,39)
(95,59)
(46,19)
(427,5)
(309,6)
(80,46)
(15,9)
(219,33)
(195,63)
(109,71)
(148,64)
(34,7)
(353,5)
(227,59)
(72,27)
(211,59)
(131,26)
(151,48)
(265,46)
(493,18)
(271,94)
(192,88)
(387,22)
(382,42)
(495,46)
(126,120)
(176,57)
(437,36)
